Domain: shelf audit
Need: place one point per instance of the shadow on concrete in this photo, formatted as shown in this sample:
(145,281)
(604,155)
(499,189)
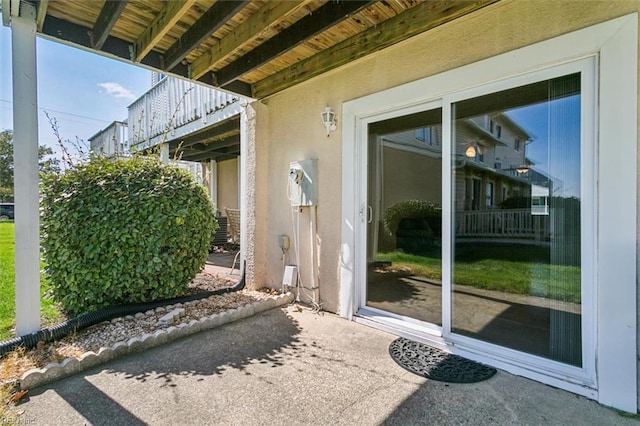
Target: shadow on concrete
(109,412)
(267,339)
(390,286)
(222,259)
(234,346)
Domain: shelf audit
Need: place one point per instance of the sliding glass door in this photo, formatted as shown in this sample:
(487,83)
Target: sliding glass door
(516,275)
(404,226)
(479,216)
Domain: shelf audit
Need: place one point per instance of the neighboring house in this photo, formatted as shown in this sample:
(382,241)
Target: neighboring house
(194,124)
(111,141)
(196,127)
(560,72)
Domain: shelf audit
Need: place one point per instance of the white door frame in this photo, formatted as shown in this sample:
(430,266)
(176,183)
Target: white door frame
(614,43)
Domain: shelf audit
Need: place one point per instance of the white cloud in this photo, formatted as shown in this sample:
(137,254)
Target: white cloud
(117,91)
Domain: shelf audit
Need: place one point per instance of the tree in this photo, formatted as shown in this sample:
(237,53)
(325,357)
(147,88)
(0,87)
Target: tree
(46,161)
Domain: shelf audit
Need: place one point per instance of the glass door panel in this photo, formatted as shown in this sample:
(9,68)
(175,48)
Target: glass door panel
(516,273)
(404,216)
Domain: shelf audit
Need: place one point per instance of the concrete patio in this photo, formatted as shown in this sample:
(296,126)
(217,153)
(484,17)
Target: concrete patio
(287,366)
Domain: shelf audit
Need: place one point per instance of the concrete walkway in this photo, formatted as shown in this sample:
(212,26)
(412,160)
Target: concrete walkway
(285,367)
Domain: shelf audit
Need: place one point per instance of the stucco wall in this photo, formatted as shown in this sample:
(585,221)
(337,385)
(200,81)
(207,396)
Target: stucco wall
(228,185)
(295,131)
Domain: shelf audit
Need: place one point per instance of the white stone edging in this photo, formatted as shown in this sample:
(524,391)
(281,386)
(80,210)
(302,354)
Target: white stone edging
(58,370)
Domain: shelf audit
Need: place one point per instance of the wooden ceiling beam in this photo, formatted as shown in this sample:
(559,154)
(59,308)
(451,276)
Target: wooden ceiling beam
(170,14)
(108,17)
(221,141)
(263,18)
(323,18)
(70,33)
(214,18)
(227,129)
(423,17)
(206,156)
(41,14)
(238,87)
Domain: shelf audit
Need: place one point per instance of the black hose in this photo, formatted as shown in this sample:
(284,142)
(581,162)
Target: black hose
(83,321)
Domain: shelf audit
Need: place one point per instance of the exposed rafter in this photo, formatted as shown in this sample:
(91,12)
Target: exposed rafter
(77,34)
(170,14)
(206,156)
(265,17)
(325,17)
(199,151)
(221,141)
(214,135)
(108,17)
(414,21)
(210,22)
(239,45)
(41,13)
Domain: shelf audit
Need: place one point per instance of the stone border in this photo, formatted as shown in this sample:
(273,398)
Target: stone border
(70,366)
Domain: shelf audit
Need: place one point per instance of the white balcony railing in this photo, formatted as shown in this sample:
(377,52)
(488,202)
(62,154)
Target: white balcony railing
(511,223)
(171,104)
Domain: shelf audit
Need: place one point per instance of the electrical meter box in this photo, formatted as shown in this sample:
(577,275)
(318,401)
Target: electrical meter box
(303,183)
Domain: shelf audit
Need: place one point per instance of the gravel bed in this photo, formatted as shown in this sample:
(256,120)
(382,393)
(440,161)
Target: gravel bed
(117,330)
(122,329)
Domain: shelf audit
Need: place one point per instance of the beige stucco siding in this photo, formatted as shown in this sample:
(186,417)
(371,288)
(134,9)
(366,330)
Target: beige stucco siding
(293,129)
(228,184)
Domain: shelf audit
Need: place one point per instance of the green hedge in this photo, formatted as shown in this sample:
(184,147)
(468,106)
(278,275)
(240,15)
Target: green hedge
(123,231)
(409,209)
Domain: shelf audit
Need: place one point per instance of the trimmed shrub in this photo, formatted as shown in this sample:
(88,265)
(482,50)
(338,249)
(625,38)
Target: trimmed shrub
(411,209)
(120,231)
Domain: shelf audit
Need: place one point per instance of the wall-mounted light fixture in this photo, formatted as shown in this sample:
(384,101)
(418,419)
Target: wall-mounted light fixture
(328,119)
(523,169)
(473,149)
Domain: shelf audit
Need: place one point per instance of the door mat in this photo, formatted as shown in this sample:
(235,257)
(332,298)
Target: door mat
(437,365)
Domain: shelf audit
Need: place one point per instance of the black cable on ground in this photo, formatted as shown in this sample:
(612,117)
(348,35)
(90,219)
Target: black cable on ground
(83,321)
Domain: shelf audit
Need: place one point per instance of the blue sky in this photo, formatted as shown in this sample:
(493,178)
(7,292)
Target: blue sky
(555,148)
(85,92)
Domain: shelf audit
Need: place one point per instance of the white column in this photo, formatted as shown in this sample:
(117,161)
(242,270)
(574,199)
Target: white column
(213,183)
(243,171)
(164,152)
(25,146)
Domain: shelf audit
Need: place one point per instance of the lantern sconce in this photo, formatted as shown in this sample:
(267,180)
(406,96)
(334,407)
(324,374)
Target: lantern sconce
(473,149)
(328,119)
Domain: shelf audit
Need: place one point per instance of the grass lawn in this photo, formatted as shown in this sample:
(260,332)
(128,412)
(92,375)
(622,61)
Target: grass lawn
(49,311)
(517,269)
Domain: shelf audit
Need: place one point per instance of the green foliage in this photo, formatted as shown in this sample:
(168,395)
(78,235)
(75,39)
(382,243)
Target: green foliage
(50,313)
(409,209)
(47,163)
(123,231)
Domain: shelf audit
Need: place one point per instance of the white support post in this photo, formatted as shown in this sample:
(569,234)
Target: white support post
(242,196)
(164,153)
(25,146)
(213,183)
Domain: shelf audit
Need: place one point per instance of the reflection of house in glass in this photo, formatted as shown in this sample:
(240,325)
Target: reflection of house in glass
(497,190)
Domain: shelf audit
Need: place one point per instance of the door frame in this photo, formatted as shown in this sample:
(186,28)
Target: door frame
(614,44)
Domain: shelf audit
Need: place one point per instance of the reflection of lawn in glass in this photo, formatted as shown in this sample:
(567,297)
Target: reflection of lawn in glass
(516,269)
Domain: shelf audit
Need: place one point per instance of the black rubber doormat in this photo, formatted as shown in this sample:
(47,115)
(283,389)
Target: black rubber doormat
(437,365)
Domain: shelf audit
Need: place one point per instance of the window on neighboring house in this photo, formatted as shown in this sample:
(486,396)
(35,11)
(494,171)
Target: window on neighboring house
(498,131)
(424,135)
(517,144)
(491,126)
